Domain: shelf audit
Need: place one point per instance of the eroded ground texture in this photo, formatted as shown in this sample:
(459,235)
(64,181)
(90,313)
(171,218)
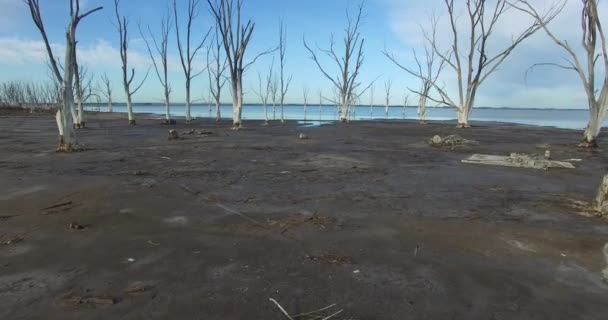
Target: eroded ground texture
(366,215)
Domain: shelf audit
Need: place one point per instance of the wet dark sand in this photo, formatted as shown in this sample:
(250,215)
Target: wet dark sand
(365,215)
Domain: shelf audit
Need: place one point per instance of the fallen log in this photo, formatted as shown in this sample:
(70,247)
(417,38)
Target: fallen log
(518,161)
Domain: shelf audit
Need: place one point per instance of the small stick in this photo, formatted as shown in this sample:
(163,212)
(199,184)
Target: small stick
(333,315)
(313,312)
(282,310)
(67,203)
(239,214)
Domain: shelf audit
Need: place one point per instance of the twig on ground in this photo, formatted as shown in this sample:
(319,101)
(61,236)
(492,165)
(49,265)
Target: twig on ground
(233,211)
(313,315)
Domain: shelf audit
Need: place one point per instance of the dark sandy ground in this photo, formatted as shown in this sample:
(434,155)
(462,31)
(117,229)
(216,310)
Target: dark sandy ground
(365,215)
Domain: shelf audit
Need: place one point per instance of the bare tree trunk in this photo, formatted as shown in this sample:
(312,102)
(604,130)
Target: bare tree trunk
(188,104)
(349,64)
(602,197)
(122,28)
(235,38)
(218,112)
(67,137)
(422,108)
(187,55)
(161,48)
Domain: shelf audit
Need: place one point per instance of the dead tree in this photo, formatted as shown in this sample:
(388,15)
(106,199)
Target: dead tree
(67,137)
(349,64)
(593,36)
(83,85)
(160,58)
(236,36)
(106,90)
(122,26)
(473,64)
(428,71)
(274,90)
(387,90)
(216,69)
(188,53)
(305,93)
(406,99)
(284,82)
(265,90)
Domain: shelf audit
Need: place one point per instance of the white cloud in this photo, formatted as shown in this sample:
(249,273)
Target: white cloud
(100,54)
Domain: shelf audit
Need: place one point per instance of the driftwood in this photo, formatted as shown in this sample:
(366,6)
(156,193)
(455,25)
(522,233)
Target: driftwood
(518,161)
(325,313)
(450,141)
(602,197)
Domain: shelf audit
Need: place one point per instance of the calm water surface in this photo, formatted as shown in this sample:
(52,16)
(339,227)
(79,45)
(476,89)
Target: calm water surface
(568,119)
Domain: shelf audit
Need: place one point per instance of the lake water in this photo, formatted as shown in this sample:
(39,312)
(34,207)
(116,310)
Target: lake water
(568,119)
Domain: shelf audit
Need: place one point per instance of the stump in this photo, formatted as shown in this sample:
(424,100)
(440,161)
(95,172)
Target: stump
(173,135)
(602,197)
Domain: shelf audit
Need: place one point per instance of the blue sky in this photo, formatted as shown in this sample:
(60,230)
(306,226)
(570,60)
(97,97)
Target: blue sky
(388,23)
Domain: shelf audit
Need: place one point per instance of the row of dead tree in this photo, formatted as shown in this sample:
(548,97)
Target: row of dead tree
(472,62)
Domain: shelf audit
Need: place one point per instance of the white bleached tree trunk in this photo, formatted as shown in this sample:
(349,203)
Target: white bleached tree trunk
(387,90)
(106,91)
(422,109)
(188,54)
(349,64)
(63,117)
(122,26)
(593,36)
(160,63)
(216,69)
(235,37)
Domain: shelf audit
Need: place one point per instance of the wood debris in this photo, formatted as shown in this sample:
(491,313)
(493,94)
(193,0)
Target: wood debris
(450,141)
(518,161)
(56,208)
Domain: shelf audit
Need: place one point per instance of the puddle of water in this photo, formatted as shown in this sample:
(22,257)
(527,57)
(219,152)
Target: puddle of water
(311,124)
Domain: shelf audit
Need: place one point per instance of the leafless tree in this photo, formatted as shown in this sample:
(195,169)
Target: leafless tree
(17,93)
(160,57)
(236,36)
(83,85)
(387,90)
(482,17)
(349,64)
(106,90)
(428,70)
(320,104)
(122,26)
(216,69)
(406,99)
(64,115)
(188,53)
(274,90)
(284,82)
(305,93)
(593,36)
(265,90)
